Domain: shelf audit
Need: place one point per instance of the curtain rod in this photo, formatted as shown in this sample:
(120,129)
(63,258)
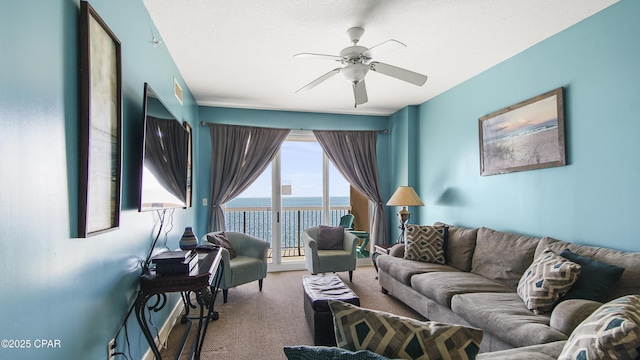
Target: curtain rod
(383,131)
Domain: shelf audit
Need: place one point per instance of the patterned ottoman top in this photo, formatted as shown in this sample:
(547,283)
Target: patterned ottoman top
(321,288)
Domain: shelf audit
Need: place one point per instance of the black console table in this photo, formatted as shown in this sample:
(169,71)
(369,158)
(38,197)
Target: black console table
(203,281)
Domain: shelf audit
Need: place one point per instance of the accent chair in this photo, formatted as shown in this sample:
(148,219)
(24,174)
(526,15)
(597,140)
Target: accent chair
(249,263)
(340,258)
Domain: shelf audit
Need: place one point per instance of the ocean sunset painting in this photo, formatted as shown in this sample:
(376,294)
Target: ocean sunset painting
(525,136)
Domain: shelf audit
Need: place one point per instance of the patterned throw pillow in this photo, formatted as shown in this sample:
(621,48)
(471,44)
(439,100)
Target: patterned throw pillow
(424,243)
(610,332)
(548,278)
(396,336)
(220,238)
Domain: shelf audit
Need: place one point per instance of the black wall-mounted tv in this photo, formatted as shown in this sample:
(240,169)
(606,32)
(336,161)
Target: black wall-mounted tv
(163,173)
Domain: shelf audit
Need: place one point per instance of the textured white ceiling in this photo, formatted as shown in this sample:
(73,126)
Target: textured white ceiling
(239,53)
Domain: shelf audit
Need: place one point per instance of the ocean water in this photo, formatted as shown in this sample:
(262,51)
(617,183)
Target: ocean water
(295,217)
(287,201)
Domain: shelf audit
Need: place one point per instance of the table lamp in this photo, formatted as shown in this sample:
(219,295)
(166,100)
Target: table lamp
(404,196)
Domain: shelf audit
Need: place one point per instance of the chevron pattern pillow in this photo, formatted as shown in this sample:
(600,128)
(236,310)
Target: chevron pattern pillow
(424,243)
(400,337)
(610,332)
(548,278)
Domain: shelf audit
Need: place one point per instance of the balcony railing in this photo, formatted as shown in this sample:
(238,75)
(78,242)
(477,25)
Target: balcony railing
(256,221)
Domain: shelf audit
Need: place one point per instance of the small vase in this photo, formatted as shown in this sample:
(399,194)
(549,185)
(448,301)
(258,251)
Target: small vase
(188,240)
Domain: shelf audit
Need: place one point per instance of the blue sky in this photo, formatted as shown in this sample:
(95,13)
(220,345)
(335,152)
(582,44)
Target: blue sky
(302,169)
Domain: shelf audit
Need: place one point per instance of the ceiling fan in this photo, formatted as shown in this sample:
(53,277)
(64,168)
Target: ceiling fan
(357,63)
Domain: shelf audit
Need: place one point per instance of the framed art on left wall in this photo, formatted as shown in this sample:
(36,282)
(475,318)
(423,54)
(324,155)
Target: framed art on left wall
(100,125)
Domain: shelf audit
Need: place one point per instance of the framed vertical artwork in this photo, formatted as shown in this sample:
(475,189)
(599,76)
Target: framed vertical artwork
(525,136)
(100,125)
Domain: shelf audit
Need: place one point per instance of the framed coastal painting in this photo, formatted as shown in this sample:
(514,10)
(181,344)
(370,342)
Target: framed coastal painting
(100,125)
(525,136)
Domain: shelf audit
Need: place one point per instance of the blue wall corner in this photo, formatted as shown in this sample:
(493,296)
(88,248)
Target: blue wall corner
(592,200)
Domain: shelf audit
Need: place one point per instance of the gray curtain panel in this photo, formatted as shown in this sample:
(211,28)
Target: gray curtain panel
(353,153)
(239,154)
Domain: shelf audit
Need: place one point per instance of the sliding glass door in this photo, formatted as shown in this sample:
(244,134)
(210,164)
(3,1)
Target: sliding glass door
(299,189)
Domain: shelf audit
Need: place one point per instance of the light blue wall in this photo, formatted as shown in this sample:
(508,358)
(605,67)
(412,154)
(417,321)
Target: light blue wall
(404,129)
(53,285)
(277,119)
(594,199)
(58,287)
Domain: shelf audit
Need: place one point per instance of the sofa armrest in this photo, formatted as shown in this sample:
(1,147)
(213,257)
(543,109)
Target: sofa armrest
(397,250)
(568,314)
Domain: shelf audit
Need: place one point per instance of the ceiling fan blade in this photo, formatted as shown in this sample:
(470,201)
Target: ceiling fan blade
(318,56)
(317,81)
(360,93)
(389,45)
(398,73)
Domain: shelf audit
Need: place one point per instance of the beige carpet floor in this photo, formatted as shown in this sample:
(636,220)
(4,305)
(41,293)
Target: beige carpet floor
(257,325)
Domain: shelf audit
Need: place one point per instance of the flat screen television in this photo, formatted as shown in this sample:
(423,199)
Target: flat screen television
(163,174)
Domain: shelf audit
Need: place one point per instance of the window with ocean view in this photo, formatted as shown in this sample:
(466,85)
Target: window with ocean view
(309,191)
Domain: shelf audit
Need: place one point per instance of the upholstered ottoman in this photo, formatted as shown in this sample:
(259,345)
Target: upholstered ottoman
(318,289)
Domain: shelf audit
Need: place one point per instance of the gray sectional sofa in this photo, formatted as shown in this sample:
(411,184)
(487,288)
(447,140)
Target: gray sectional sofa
(477,287)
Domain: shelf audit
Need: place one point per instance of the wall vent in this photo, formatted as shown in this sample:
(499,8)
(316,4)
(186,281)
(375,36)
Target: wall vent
(177,90)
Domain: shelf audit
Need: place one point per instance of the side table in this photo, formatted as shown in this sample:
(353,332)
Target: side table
(203,281)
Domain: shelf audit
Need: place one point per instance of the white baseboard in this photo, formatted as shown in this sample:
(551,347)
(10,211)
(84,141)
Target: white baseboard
(364,262)
(165,330)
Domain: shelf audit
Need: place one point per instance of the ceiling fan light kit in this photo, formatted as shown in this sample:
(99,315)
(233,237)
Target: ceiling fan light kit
(357,63)
(354,73)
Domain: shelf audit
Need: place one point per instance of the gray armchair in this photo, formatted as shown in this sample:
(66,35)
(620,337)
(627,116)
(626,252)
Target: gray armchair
(321,261)
(250,263)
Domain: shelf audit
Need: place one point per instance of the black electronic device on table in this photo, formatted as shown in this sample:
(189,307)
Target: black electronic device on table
(175,262)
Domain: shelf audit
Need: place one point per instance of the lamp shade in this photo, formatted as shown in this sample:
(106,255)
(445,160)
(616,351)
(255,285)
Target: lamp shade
(405,196)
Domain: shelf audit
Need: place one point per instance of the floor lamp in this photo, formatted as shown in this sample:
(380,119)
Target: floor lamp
(404,196)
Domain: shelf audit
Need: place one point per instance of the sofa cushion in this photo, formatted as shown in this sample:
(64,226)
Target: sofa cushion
(549,277)
(402,337)
(514,255)
(548,351)
(402,269)
(629,282)
(459,246)
(504,316)
(568,314)
(611,332)
(442,286)
(424,243)
(597,279)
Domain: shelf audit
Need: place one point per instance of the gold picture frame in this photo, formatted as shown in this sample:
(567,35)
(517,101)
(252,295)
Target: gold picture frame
(100,125)
(525,136)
